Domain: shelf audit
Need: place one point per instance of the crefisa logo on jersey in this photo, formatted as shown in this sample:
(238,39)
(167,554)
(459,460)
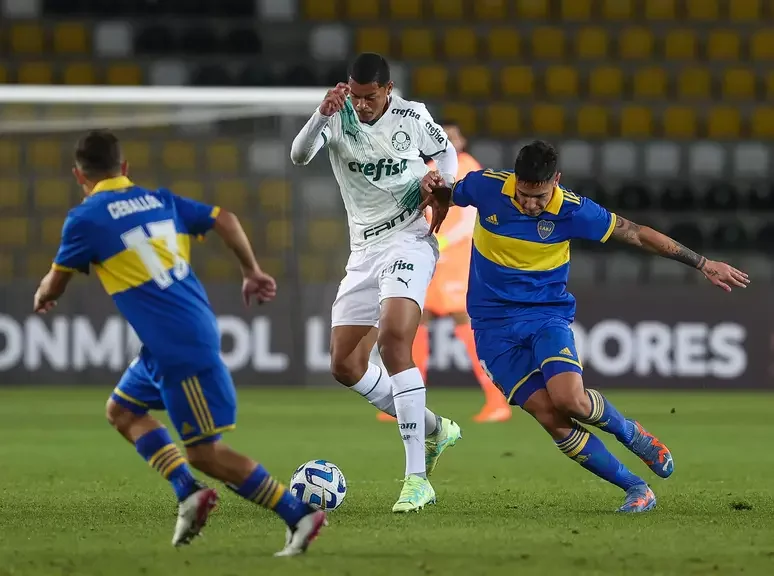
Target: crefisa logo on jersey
(545,228)
(406,113)
(435,132)
(397,266)
(401,141)
(382,167)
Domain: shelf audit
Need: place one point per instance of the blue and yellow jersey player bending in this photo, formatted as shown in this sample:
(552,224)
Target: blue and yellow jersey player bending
(138,242)
(521,311)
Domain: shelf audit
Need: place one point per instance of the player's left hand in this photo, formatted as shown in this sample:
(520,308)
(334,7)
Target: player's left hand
(40,306)
(724,276)
(258,285)
(432,189)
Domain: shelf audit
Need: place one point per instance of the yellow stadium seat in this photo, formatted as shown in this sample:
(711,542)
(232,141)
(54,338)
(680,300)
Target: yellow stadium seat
(431,80)
(768,83)
(275,195)
(231,195)
(79,74)
(10,156)
(279,235)
(762,45)
(179,155)
(223,157)
(679,122)
(474,81)
(460,43)
(35,73)
(694,83)
(650,82)
(576,10)
(14,231)
(739,84)
(680,44)
(362,9)
(273,265)
(37,263)
(137,154)
(724,122)
(547,43)
(592,121)
(548,119)
(636,44)
(221,269)
(314,270)
(724,45)
(504,43)
(618,9)
(517,81)
(189,188)
(591,43)
(463,115)
(373,40)
(762,122)
(503,120)
(744,10)
(490,9)
(6,267)
(531,9)
(321,9)
(636,122)
(561,81)
(703,9)
(406,9)
(124,75)
(418,44)
(660,9)
(606,82)
(51,230)
(326,235)
(70,38)
(12,193)
(27,38)
(44,155)
(53,194)
(448,9)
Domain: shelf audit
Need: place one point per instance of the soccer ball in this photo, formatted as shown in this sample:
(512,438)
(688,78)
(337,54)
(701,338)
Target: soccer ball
(320,484)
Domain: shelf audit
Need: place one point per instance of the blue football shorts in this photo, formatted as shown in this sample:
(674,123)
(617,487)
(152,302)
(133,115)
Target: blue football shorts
(521,357)
(201,406)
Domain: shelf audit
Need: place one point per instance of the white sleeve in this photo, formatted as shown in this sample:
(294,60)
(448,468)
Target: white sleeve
(447,164)
(432,141)
(311,139)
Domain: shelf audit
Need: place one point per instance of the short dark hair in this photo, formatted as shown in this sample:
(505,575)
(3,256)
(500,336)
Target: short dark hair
(537,162)
(98,154)
(370,67)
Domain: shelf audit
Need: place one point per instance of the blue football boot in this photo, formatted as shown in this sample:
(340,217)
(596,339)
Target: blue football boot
(651,451)
(639,498)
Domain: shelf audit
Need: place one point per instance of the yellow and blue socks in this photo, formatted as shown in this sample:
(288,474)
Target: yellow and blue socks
(606,417)
(589,451)
(265,491)
(165,457)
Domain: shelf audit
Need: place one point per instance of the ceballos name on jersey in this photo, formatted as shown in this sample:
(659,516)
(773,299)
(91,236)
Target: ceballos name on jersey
(383,167)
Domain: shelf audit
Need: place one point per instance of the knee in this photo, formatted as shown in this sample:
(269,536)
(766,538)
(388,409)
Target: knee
(395,350)
(201,456)
(119,417)
(573,402)
(347,370)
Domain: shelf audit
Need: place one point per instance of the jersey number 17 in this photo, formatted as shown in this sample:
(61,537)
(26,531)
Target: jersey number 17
(150,246)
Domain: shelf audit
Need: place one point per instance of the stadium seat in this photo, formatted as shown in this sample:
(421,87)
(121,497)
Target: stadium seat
(576,10)
(6,268)
(592,121)
(448,9)
(53,194)
(406,10)
(37,263)
(694,83)
(762,44)
(300,75)
(650,83)
(460,43)
(660,10)
(179,156)
(503,120)
(561,81)
(279,235)
(12,194)
(193,189)
(220,269)
(491,10)
(744,10)
(635,43)
(731,236)
(547,120)
(464,115)
(417,44)
(35,73)
(591,43)
(724,122)
(273,265)
(314,270)
(606,82)
(768,85)
(679,122)
(761,198)
(362,9)
(14,231)
(703,10)
(517,81)
(547,43)
(124,75)
(688,234)
(373,40)
(636,122)
(504,43)
(137,153)
(10,156)
(634,198)
(79,74)
(762,122)
(51,231)
(231,195)
(44,155)
(244,41)
(618,10)
(70,38)
(27,38)
(677,198)
(274,196)
(680,44)
(724,45)
(326,235)
(431,80)
(223,157)
(738,84)
(722,197)
(320,9)
(531,9)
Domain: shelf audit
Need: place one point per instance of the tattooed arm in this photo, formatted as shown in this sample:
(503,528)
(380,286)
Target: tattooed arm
(719,273)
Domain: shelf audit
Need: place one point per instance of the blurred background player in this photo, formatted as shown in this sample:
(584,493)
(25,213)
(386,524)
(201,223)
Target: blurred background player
(448,288)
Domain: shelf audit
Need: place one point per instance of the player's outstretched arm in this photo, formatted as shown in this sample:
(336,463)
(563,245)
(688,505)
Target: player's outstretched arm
(719,273)
(51,289)
(311,139)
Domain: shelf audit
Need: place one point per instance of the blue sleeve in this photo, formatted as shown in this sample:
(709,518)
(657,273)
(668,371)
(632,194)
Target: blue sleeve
(464,190)
(75,252)
(592,222)
(197,217)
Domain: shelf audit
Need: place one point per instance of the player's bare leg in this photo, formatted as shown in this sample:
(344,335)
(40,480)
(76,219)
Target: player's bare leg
(591,407)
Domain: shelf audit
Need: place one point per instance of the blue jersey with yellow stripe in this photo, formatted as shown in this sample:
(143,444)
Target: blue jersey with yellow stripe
(520,263)
(138,242)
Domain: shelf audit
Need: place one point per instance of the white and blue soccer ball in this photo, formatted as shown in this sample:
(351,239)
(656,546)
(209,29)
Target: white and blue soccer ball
(320,484)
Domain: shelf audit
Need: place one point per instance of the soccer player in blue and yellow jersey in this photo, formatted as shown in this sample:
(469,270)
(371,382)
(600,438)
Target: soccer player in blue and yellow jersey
(521,311)
(138,242)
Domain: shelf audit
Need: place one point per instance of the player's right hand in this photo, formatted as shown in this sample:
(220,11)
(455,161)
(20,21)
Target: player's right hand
(437,195)
(724,276)
(334,100)
(258,286)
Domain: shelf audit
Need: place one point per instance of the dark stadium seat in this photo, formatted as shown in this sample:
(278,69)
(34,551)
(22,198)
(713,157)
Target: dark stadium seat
(337,73)
(156,39)
(688,234)
(594,190)
(200,40)
(112,8)
(256,74)
(634,197)
(300,75)
(243,41)
(212,75)
(678,198)
(761,198)
(732,236)
(764,240)
(722,197)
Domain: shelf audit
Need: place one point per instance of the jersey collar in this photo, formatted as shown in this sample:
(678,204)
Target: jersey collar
(117,183)
(553,206)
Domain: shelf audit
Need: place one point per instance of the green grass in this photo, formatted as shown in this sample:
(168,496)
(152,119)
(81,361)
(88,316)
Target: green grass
(75,499)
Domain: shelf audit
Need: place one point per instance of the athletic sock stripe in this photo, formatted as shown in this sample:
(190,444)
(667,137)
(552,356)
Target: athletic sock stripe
(276,496)
(265,488)
(573,444)
(599,404)
(172,466)
(160,453)
(569,442)
(407,391)
(379,379)
(164,462)
(579,448)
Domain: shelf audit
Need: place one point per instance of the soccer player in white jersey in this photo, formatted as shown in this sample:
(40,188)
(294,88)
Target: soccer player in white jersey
(374,140)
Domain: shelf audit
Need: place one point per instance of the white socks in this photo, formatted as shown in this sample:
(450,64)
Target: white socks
(409,393)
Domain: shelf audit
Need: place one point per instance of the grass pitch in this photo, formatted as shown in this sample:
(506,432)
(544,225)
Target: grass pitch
(75,499)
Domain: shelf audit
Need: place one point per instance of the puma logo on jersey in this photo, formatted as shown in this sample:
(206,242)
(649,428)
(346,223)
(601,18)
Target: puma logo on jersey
(383,167)
(492,219)
(566,352)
